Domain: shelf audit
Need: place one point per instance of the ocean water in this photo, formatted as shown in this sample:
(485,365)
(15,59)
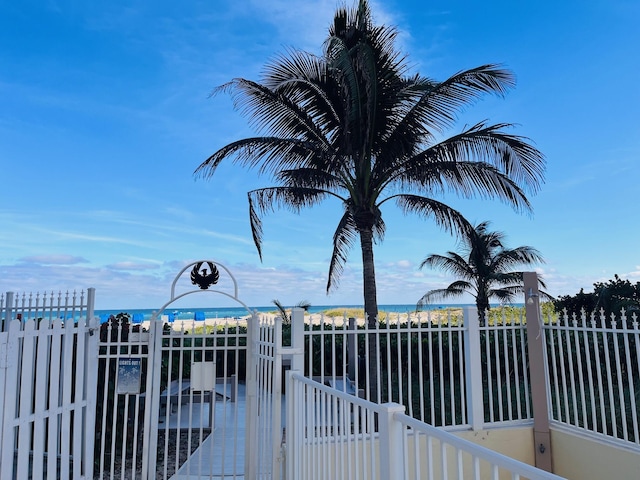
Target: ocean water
(142,315)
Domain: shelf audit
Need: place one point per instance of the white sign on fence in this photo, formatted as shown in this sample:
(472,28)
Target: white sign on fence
(129,375)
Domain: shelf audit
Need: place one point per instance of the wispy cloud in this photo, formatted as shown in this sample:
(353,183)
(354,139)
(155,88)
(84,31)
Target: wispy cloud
(54,260)
(133,266)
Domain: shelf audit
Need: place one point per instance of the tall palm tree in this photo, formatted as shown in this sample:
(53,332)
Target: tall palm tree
(354,125)
(484,268)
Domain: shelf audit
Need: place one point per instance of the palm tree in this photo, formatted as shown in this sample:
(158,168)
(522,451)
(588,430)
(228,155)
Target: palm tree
(484,268)
(354,125)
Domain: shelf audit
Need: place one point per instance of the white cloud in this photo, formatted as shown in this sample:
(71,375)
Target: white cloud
(133,266)
(54,259)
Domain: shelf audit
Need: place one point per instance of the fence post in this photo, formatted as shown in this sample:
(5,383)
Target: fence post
(297,339)
(8,313)
(473,368)
(90,380)
(352,352)
(152,398)
(295,399)
(251,408)
(538,373)
(391,442)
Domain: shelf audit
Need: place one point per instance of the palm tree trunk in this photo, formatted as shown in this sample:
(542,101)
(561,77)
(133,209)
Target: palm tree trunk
(370,308)
(369,277)
(482,304)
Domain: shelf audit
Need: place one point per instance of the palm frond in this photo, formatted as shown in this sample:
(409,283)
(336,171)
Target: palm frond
(434,296)
(265,200)
(510,154)
(272,111)
(304,79)
(344,238)
(451,263)
(268,154)
(433,106)
(510,258)
(444,216)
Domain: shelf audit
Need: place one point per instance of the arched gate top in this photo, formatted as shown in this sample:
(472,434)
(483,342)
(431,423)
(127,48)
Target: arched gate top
(204,274)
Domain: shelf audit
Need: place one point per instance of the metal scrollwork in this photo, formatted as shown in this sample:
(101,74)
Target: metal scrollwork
(203,278)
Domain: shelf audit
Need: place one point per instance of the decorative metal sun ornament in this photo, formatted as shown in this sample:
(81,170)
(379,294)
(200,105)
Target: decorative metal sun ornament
(202,278)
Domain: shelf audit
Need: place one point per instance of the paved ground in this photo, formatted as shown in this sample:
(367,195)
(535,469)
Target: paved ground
(222,454)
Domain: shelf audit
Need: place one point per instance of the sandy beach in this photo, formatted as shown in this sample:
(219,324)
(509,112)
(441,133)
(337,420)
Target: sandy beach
(435,316)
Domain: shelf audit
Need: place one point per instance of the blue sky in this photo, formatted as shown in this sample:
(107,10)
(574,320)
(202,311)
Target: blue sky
(105,113)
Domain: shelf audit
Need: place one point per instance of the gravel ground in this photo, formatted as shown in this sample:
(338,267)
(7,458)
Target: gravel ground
(184,451)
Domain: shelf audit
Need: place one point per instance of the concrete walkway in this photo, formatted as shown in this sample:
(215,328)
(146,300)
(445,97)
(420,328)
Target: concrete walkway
(221,455)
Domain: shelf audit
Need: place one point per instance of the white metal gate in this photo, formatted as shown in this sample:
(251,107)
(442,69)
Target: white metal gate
(184,414)
(48,382)
(266,424)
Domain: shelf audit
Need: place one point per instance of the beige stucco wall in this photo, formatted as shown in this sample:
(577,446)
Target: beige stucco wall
(579,458)
(514,442)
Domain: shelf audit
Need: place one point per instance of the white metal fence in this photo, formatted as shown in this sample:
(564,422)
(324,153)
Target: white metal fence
(445,368)
(332,434)
(48,385)
(171,403)
(447,371)
(594,373)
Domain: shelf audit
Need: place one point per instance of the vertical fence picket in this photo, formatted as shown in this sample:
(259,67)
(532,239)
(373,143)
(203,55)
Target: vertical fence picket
(571,355)
(489,370)
(507,328)
(11,398)
(515,348)
(618,375)
(586,340)
(499,371)
(636,367)
(609,376)
(630,379)
(41,370)
(430,355)
(4,345)
(79,399)
(54,424)
(24,462)
(578,365)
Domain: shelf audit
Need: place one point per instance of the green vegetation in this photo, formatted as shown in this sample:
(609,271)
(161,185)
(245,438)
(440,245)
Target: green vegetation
(611,297)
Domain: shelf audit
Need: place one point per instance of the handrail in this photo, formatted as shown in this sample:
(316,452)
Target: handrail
(308,404)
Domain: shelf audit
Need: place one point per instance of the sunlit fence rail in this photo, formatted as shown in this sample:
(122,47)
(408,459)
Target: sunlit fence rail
(333,434)
(594,373)
(426,361)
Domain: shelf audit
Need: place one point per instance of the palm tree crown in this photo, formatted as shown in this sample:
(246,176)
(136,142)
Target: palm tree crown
(484,268)
(354,125)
